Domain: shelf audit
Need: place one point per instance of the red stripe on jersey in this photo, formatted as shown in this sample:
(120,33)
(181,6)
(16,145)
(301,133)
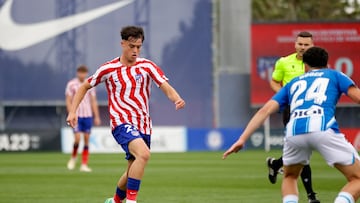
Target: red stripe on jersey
(148,85)
(123,99)
(100,76)
(110,83)
(157,69)
(145,98)
(129,91)
(133,98)
(139,78)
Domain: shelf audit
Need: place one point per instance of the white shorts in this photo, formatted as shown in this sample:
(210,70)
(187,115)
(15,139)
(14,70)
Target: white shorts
(332,146)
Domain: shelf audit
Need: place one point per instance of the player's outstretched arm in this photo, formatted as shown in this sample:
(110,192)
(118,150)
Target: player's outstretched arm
(95,110)
(256,121)
(354,94)
(173,96)
(68,100)
(79,95)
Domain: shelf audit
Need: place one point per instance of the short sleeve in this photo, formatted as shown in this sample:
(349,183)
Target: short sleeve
(344,82)
(278,73)
(156,74)
(99,76)
(282,97)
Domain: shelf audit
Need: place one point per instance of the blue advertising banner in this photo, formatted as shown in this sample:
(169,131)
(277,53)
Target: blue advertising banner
(39,51)
(203,139)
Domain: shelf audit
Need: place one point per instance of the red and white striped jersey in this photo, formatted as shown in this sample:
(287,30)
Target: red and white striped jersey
(129,91)
(84,109)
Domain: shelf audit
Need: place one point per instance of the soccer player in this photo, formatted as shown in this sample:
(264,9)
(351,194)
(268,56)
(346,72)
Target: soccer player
(312,98)
(128,82)
(88,109)
(287,68)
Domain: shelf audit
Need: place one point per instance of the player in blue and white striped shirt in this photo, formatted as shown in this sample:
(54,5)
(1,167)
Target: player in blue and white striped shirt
(312,98)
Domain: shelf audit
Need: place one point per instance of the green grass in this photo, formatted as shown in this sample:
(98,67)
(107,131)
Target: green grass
(169,178)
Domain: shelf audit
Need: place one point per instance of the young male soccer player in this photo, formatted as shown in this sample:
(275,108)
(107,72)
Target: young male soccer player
(287,68)
(312,126)
(128,82)
(88,109)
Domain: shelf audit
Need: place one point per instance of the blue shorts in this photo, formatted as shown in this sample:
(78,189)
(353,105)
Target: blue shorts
(125,133)
(84,125)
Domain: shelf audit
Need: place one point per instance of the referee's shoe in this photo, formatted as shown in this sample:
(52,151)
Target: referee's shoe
(272,170)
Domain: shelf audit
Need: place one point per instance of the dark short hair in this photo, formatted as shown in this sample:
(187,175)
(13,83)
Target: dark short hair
(316,57)
(305,34)
(132,32)
(82,69)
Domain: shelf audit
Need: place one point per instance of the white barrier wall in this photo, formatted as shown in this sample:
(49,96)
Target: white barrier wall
(164,139)
(168,139)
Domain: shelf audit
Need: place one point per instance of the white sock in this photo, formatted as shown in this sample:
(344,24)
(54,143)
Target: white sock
(344,197)
(290,199)
(130,201)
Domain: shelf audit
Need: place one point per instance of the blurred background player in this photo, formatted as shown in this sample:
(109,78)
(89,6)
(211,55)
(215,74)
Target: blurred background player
(128,80)
(88,109)
(287,68)
(312,98)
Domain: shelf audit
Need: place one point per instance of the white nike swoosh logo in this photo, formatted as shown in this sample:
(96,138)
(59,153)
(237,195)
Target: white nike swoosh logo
(14,36)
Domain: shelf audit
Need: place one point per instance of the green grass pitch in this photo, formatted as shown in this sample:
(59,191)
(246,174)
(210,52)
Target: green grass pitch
(197,177)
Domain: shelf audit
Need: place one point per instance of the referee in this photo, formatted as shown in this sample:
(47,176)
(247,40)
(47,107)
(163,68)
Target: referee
(287,68)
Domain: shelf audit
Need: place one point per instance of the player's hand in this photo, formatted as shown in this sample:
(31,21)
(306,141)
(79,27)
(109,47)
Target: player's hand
(72,120)
(234,148)
(179,104)
(97,121)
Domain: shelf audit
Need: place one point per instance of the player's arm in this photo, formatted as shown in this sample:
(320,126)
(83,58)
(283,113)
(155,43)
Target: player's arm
(256,121)
(172,94)
(79,95)
(95,109)
(354,94)
(68,99)
(277,76)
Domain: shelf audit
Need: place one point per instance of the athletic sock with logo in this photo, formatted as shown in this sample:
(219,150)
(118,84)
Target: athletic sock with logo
(290,199)
(120,195)
(85,155)
(75,149)
(344,197)
(133,186)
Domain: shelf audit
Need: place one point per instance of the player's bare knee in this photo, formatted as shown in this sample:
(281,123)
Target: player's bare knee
(145,155)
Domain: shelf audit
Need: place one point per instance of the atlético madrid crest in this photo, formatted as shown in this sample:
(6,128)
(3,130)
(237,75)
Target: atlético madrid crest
(139,78)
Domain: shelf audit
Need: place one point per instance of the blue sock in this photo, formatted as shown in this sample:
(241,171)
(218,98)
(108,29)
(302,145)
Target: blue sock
(133,184)
(120,193)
